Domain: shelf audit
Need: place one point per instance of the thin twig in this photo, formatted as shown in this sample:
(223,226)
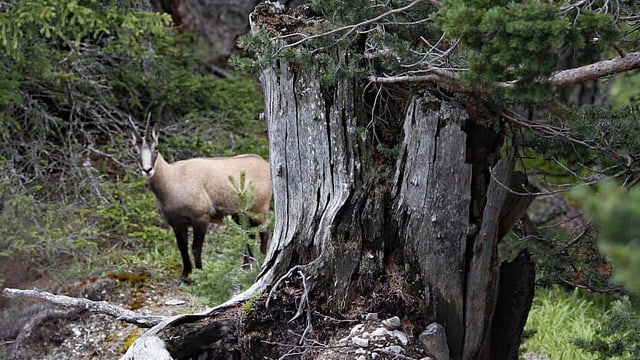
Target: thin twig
(349,28)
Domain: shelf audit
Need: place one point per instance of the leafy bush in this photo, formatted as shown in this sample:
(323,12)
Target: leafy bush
(619,333)
(521,40)
(616,211)
(39,229)
(222,274)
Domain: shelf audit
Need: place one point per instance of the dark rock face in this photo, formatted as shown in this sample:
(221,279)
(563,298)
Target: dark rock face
(217,22)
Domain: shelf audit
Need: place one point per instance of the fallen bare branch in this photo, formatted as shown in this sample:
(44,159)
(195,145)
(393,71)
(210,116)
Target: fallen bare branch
(103,307)
(20,344)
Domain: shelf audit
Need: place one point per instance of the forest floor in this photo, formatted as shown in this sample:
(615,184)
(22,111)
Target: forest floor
(265,334)
(86,335)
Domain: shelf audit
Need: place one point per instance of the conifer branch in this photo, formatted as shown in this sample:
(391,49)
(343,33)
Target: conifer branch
(596,70)
(351,28)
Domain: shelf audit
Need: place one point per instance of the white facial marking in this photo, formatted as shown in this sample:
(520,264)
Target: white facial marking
(147,160)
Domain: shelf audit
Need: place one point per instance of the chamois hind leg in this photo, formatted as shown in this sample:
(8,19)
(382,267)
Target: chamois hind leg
(181,230)
(199,233)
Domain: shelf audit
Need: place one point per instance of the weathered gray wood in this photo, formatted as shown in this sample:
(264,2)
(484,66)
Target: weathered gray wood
(22,330)
(515,296)
(432,208)
(148,347)
(482,277)
(103,307)
(314,168)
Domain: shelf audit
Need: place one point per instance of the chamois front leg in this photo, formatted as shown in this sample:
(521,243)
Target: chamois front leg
(199,233)
(181,231)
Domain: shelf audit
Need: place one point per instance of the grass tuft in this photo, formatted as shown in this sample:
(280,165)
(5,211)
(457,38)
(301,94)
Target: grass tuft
(558,319)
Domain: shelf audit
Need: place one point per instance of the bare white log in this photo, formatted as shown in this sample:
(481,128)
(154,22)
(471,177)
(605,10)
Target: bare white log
(103,307)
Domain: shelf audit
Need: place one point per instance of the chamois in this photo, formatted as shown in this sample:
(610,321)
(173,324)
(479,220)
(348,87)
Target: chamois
(198,191)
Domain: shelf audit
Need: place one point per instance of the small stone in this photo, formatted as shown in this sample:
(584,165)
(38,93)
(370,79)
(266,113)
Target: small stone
(392,322)
(434,340)
(371,316)
(404,339)
(394,349)
(360,341)
(356,329)
(174,302)
(380,332)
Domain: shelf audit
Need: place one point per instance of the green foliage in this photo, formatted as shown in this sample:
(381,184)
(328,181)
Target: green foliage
(129,212)
(394,39)
(618,336)
(616,211)
(44,41)
(558,318)
(601,138)
(560,257)
(73,70)
(25,25)
(262,48)
(505,41)
(508,40)
(625,89)
(39,230)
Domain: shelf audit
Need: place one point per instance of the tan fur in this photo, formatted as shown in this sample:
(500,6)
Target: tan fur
(199,187)
(194,192)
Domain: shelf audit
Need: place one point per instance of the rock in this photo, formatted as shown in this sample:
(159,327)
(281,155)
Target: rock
(371,316)
(404,339)
(397,334)
(358,329)
(434,340)
(394,349)
(174,302)
(360,341)
(392,322)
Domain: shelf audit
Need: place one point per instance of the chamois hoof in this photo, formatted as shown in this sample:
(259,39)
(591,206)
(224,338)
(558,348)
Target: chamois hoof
(185,281)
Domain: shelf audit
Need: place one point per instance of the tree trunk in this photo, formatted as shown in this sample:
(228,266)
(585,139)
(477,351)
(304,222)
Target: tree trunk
(357,219)
(387,200)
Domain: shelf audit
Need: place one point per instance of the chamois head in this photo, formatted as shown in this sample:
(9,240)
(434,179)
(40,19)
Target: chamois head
(145,148)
